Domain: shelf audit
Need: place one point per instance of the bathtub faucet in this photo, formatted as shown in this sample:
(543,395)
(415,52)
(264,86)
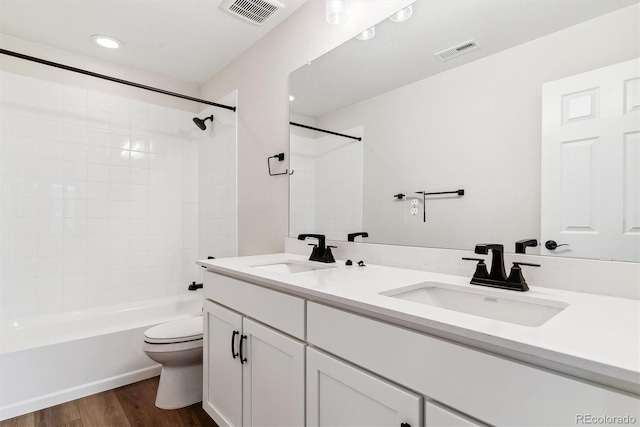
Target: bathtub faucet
(194,286)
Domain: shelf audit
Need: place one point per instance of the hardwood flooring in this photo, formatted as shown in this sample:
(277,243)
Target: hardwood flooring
(129,406)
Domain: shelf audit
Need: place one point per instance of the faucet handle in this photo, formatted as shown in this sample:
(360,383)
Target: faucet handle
(527,264)
(515,276)
(481,269)
(328,255)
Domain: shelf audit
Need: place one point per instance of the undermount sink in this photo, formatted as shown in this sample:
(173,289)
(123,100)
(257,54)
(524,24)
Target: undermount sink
(518,309)
(290,266)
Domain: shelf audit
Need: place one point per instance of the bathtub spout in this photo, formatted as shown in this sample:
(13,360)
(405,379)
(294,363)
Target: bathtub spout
(195,286)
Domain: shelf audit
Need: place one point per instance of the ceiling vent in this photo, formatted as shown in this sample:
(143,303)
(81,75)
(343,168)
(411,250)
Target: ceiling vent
(254,11)
(458,50)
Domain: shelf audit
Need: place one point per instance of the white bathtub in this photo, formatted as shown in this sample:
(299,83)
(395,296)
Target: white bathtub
(47,360)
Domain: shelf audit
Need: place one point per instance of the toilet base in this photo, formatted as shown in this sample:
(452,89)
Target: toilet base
(179,386)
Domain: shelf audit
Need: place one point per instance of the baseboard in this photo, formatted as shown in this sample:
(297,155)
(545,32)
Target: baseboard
(66,395)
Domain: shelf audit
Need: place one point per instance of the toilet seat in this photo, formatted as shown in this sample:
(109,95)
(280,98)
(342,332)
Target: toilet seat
(177,331)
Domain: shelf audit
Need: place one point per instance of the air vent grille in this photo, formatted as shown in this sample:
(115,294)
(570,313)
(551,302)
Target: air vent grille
(458,50)
(255,11)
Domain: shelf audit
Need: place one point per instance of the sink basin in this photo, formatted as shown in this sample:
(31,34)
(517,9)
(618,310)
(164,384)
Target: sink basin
(290,267)
(518,309)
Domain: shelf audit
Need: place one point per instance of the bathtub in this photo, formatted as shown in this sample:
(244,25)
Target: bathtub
(47,360)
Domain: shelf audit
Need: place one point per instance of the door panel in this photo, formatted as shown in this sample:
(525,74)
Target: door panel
(341,395)
(591,163)
(273,378)
(222,394)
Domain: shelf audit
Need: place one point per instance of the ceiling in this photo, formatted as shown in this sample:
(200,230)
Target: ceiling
(185,40)
(402,53)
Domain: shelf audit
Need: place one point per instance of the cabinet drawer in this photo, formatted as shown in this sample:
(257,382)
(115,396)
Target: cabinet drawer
(278,310)
(489,388)
(437,416)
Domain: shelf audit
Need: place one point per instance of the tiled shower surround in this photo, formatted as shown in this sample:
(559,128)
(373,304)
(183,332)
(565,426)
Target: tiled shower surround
(99,198)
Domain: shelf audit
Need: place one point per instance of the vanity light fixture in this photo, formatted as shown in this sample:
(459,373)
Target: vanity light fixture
(402,15)
(367,34)
(106,41)
(337,11)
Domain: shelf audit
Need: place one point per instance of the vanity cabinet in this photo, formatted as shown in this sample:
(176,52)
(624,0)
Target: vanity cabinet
(485,387)
(341,395)
(253,374)
(364,371)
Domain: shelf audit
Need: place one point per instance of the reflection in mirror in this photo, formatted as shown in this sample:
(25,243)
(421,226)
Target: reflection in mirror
(517,121)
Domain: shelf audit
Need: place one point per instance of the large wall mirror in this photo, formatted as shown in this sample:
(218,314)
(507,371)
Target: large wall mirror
(531,107)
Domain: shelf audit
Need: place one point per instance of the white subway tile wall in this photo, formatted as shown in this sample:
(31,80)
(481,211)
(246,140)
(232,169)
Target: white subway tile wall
(326,188)
(217,200)
(302,192)
(98,198)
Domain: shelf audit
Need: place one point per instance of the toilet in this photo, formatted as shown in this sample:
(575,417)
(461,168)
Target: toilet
(177,345)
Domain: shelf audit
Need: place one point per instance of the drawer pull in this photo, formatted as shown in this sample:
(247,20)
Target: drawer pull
(233,343)
(242,358)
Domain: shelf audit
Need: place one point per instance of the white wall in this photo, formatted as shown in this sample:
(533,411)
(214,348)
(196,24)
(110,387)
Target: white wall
(97,194)
(261,76)
(476,127)
(30,69)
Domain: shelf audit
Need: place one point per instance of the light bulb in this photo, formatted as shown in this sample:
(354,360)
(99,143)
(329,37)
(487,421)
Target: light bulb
(402,15)
(337,11)
(106,41)
(367,34)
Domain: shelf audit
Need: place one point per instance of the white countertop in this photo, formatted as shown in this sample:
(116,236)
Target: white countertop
(595,337)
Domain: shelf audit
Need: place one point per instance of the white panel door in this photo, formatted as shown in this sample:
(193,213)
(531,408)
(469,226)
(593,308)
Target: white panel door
(342,395)
(222,393)
(591,163)
(273,378)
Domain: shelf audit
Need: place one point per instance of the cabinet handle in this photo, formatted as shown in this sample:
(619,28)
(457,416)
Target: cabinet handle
(233,343)
(242,358)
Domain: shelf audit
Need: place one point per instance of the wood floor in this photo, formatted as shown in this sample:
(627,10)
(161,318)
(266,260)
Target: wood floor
(128,406)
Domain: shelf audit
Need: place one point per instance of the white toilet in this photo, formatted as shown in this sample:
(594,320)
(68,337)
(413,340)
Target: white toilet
(177,346)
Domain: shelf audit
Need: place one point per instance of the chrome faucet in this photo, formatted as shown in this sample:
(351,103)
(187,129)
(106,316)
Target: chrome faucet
(320,252)
(497,277)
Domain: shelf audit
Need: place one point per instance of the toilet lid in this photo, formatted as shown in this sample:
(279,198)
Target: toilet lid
(176,331)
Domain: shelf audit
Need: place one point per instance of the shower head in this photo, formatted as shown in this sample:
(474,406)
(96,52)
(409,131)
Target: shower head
(200,122)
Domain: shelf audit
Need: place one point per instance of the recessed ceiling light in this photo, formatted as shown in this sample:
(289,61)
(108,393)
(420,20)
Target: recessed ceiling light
(337,11)
(292,98)
(106,41)
(402,15)
(367,34)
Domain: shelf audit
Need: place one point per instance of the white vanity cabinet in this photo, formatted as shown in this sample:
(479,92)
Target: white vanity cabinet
(341,395)
(362,371)
(253,374)
(495,390)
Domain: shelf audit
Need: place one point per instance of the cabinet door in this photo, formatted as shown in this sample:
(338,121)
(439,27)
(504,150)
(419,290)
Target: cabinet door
(342,395)
(222,393)
(273,378)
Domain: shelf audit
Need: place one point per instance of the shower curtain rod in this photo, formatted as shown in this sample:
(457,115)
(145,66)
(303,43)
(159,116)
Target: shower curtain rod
(112,79)
(325,131)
